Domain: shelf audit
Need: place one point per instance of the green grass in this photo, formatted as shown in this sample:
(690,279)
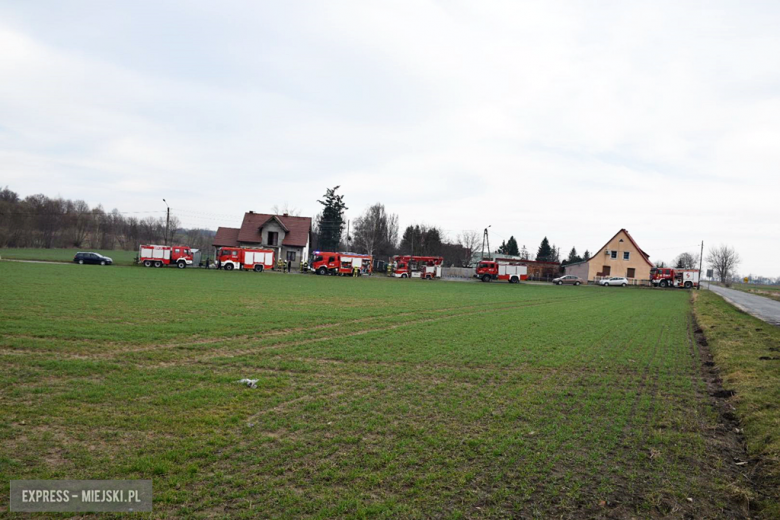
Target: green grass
(376,397)
(65,255)
(747,351)
(768,291)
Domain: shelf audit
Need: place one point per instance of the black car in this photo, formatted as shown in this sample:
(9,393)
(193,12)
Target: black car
(92,258)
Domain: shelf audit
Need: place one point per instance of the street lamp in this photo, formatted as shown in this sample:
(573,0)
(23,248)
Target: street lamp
(167,221)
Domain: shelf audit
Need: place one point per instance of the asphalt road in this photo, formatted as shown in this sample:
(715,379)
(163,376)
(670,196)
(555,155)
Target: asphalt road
(762,308)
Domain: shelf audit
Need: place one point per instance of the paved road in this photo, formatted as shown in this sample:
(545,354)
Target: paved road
(762,308)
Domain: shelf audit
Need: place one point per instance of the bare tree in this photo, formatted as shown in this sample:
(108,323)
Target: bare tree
(40,221)
(470,241)
(285,209)
(724,261)
(173,228)
(687,261)
(376,231)
(80,219)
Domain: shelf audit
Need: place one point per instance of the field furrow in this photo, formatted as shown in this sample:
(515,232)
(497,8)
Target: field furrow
(374,397)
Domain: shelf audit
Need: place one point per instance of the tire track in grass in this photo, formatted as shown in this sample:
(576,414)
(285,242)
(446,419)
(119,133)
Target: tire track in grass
(230,353)
(620,446)
(281,333)
(492,307)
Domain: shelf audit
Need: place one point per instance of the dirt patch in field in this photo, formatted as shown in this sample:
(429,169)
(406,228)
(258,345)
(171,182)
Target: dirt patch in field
(727,438)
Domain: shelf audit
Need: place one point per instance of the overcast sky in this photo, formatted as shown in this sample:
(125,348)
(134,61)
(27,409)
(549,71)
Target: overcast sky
(569,120)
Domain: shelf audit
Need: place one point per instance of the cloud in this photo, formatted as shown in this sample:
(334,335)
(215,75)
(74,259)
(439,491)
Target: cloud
(558,118)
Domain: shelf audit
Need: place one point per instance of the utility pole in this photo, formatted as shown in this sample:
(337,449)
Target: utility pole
(348,249)
(701,259)
(167,221)
(485,240)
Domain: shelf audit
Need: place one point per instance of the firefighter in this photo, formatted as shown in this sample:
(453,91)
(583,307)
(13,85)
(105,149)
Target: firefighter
(355,272)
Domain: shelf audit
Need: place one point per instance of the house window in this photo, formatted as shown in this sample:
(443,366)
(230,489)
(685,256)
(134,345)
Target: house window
(626,256)
(630,272)
(613,254)
(605,271)
(291,256)
(273,238)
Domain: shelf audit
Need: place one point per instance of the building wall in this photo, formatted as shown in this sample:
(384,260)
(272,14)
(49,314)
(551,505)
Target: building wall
(300,255)
(543,270)
(580,270)
(273,227)
(619,266)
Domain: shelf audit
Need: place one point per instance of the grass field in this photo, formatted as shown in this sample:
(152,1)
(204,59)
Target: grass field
(768,291)
(376,397)
(66,255)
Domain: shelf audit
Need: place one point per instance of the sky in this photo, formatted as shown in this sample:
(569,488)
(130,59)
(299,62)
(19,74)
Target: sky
(569,120)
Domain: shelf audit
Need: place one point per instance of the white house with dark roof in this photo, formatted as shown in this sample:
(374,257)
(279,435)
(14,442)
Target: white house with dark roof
(288,236)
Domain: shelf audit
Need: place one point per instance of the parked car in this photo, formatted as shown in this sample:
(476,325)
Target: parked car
(92,258)
(615,280)
(568,279)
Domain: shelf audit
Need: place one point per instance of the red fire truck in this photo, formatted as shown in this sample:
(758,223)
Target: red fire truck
(509,270)
(158,256)
(672,277)
(323,262)
(425,267)
(258,260)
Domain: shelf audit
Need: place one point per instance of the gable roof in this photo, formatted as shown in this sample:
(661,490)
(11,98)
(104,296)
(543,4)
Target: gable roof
(644,255)
(226,237)
(297,228)
(275,218)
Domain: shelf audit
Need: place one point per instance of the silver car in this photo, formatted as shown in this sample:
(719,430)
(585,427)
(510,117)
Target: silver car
(568,279)
(615,280)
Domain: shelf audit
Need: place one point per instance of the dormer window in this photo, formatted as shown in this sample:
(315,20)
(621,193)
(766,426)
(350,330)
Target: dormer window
(273,238)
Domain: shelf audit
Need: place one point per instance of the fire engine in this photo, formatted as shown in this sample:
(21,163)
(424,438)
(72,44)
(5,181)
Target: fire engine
(257,260)
(425,267)
(671,277)
(323,262)
(158,256)
(509,270)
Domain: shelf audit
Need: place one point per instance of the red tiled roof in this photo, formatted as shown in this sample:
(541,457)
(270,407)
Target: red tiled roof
(226,237)
(644,255)
(297,228)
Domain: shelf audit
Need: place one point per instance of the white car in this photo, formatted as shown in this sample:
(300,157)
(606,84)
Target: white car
(615,280)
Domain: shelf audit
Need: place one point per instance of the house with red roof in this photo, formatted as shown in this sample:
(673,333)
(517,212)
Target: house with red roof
(288,236)
(620,256)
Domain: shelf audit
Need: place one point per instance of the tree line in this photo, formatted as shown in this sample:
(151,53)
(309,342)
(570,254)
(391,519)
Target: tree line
(38,221)
(42,222)
(376,232)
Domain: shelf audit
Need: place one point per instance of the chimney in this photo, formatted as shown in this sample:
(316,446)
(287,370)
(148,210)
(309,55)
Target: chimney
(251,212)
(285,215)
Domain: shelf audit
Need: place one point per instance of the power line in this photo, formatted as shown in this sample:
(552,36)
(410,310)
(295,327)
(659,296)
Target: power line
(72,213)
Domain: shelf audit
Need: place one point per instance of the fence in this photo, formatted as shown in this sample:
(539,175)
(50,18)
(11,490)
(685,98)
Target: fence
(458,273)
